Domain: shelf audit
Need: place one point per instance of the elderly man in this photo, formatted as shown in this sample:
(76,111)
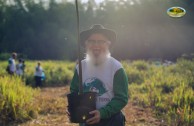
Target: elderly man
(104,75)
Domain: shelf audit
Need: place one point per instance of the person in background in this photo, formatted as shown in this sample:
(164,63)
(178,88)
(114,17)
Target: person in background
(19,68)
(38,75)
(11,68)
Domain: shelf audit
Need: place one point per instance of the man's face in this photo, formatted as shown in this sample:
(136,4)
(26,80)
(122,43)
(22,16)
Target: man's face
(97,44)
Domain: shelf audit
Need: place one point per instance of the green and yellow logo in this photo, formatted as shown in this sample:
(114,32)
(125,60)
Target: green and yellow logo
(176,12)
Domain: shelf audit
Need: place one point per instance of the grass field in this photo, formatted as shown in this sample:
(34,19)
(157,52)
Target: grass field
(57,72)
(166,90)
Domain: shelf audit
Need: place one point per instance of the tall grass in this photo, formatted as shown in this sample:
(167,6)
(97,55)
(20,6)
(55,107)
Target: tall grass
(167,89)
(3,66)
(16,100)
(57,72)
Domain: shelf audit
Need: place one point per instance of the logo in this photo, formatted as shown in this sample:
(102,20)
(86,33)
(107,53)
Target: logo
(176,12)
(94,85)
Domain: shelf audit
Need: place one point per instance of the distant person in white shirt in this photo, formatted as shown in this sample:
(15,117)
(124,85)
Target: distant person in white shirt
(38,75)
(11,64)
(20,68)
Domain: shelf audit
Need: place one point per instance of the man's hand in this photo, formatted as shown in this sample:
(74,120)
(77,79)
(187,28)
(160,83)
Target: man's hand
(95,118)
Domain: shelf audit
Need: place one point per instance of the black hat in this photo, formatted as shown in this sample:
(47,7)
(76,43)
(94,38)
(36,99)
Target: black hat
(98,28)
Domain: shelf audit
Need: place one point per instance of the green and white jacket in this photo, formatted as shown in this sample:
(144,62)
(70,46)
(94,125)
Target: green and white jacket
(108,80)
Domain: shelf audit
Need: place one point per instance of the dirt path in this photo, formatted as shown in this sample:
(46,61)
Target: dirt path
(53,102)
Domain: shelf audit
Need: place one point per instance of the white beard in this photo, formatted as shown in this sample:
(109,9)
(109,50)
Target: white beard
(97,60)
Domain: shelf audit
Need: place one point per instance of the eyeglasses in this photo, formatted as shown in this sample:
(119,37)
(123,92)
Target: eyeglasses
(99,42)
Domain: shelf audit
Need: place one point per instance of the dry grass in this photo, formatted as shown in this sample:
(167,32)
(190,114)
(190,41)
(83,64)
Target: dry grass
(52,103)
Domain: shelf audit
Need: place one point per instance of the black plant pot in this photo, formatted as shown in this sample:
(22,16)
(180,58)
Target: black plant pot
(79,106)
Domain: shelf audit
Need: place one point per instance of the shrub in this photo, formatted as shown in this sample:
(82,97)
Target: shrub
(134,71)
(4,56)
(140,65)
(16,100)
(134,76)
(167,88)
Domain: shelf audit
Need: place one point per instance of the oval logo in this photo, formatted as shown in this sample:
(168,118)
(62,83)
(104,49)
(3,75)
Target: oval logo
(176,12)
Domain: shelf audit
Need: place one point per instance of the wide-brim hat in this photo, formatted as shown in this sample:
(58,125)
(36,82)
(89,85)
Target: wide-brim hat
(98,28)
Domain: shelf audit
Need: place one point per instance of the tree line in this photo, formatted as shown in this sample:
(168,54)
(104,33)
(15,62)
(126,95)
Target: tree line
(47,30)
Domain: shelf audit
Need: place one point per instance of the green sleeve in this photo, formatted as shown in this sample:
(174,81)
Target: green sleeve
(120,99)
(74,87)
